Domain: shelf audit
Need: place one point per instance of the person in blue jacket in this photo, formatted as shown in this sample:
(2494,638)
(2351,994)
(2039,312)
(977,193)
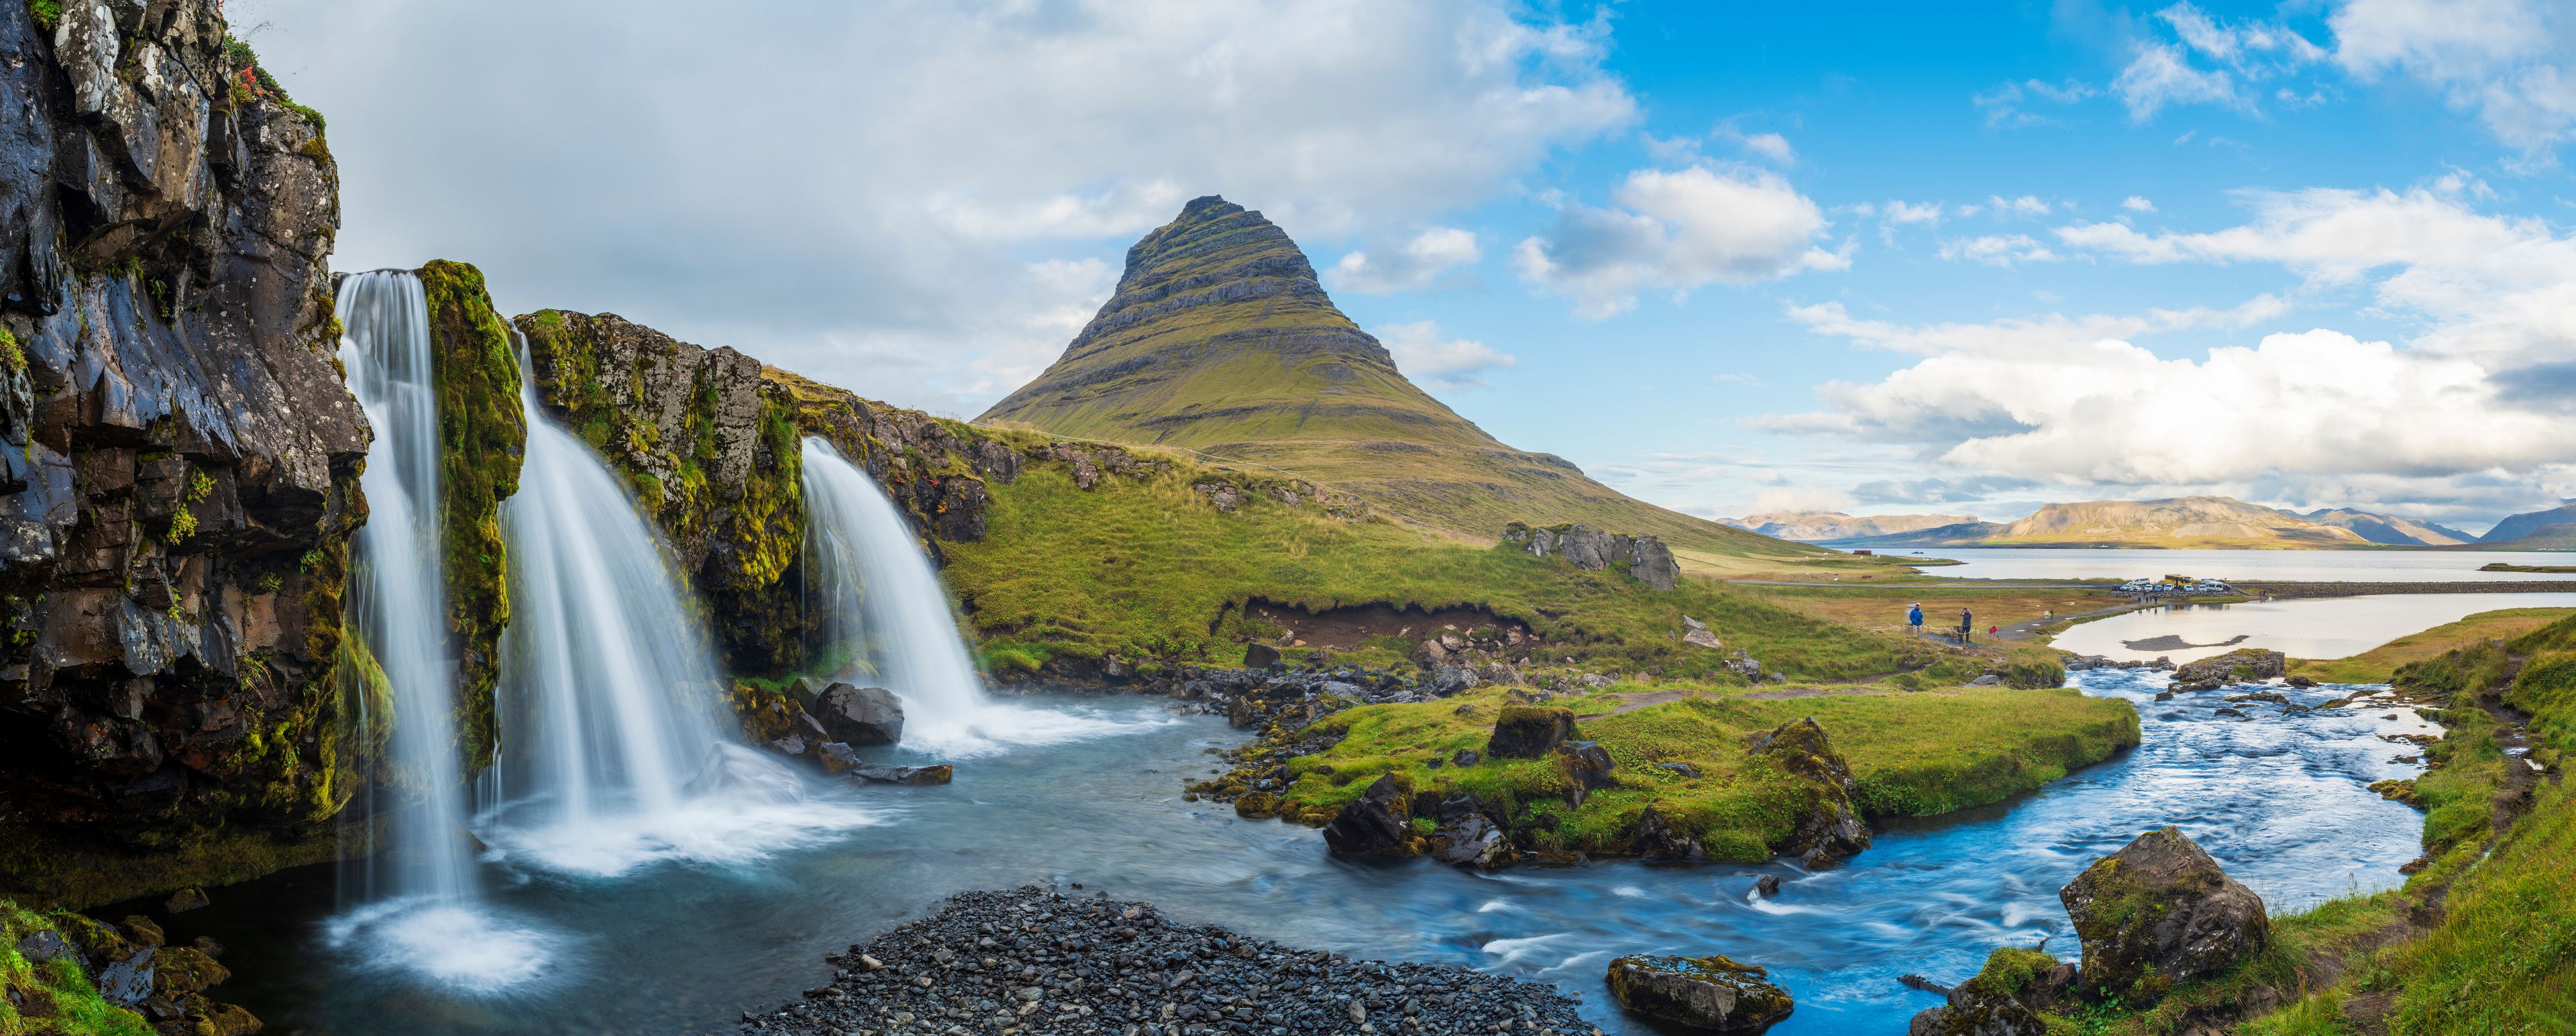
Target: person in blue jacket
(1914,618)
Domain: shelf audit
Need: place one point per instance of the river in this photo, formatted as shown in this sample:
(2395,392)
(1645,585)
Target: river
(684,946)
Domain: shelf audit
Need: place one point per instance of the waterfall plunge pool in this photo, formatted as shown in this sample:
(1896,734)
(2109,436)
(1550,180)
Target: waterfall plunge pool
(685,946)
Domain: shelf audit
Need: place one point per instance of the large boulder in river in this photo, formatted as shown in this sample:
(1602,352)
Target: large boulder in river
(1655,838)
(2243,665)
(2157,913)
(860,715)
(1830,826)
(1529,732)
(2004,999)
(1380,823)
(1711,993)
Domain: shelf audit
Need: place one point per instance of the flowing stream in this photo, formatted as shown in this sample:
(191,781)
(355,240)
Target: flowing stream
(886,602)
(2281,802)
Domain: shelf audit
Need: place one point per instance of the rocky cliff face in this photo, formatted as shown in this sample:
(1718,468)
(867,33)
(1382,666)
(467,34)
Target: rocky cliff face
(178,458)
(483,436)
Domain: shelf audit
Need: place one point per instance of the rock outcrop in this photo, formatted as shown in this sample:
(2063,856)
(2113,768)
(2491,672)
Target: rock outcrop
(1713,993)
(2004,999)
(1829,825)
(483,437)
(178,479)
(859,715)
(2244,665)
(1644,558)
(1378,823)
(1529,732)
(2157,913)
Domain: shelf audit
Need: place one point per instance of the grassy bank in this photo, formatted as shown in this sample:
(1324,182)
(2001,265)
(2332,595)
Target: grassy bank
(1915,754)
(1148,567)
(1882,609)
(2381,663)
(54,996)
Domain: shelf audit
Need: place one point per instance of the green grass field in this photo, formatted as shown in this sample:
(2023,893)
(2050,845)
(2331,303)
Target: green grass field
(1148,568)
(2379,664)
(1914,754)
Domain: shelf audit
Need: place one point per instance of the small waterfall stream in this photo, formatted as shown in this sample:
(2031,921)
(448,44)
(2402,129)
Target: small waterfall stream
(609,696)
(419,901)
(887,602)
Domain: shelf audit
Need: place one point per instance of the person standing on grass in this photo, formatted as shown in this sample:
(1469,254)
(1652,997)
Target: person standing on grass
(1914,618)
(1967,625)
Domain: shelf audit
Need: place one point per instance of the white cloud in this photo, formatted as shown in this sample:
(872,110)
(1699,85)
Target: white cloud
(2026,205)
(2006,106)
(2135,203)
(2028,337)
(1771,146)
(1997,249)
(1677,230)
(1928,213)
(2512,61)
(1424,356)
(824,184)
(2160,75)
(1416,265)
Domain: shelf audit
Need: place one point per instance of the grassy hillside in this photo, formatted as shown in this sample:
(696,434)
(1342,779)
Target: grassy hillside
(2378,664)
(1147,566)
(1220,341)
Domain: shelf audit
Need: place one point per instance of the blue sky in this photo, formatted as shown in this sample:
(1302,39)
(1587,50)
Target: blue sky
(1910,258)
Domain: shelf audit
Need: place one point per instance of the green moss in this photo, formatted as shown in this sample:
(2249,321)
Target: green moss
(47,13)
(2008,971)
(13,359)
(483,437)
(54,997)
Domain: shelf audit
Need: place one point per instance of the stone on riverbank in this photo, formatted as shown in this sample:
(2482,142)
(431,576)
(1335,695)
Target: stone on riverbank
(939,774)
(2244,665)
(1380,823)
(1713,993)
(2004,999)
(1529,732)
(860,715)
(1830,829)
(2157,913)
(1042,962)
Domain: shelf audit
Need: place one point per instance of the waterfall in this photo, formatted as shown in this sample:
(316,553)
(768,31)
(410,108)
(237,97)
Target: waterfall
(609,696)
(420,898)
(887,605)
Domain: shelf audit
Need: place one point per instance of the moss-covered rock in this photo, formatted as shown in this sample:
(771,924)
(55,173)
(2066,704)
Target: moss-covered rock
(1529,732)
(1710,993)
(1829,824)
(2157,913)
(483,436)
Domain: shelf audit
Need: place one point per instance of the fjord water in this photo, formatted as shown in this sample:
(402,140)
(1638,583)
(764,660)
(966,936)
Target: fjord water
(615,757)
(2333,627)
(886,603)
(2281,802)
(417,902)
(2328,566)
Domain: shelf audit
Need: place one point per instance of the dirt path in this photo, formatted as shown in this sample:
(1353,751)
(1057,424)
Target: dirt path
(1634,700)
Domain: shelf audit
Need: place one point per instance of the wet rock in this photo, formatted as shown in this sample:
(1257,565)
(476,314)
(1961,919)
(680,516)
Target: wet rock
(2274,697)
(1529,732)
(1257,655)
(1830,828)
(1587,766)
(1472,840)
(938,774)
(2004,999)
(1767,886)
(2244,665)
(860,715)
(2300,681)
(42,947)
(1655,838)
(836,757)
(2224,711)
(2160,912)
(1712,993)
(185,900)
(1379,823)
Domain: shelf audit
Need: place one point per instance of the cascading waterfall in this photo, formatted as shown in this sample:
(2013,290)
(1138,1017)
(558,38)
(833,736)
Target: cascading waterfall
(609,691)
(420,897)
(888,605)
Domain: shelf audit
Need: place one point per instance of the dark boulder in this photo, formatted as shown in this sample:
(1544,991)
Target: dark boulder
(1830,827)
(1587,767)
(1465,757)
(2243,665)
(1711,993)
(1767,886)
(1380,823)
(939,774)
(1257,655)
(2160,912)
(860,715)
(185,900)
(1529,732)
(837,758)
(1471,839)
(1655,838)
(2004,999)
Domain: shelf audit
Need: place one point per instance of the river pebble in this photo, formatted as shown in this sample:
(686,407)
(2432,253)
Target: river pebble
(1037,962)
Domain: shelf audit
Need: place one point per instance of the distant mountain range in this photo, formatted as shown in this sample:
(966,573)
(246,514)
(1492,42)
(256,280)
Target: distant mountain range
(2191,521)
(1828,526)
(2553,529)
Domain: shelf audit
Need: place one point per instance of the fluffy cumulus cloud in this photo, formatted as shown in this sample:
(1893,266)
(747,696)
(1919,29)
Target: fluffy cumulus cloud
(1677,230)
(2471,409)
(1412,266)
(859,192)
(2511,61)
(1424,355)
(1997,249)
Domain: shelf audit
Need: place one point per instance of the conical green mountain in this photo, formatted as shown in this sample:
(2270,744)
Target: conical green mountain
(1220,340)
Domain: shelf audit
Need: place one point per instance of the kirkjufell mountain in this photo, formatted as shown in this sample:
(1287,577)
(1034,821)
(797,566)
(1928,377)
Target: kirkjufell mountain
(1220,340)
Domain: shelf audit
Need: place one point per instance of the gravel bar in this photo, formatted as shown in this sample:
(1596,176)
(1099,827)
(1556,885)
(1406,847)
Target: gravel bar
(1034,961)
